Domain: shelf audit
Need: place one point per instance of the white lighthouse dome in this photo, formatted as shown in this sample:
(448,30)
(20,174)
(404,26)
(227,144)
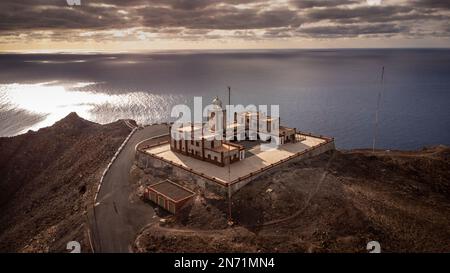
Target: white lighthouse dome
(217,102)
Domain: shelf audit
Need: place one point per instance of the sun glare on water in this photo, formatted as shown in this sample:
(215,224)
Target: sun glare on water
(54,101)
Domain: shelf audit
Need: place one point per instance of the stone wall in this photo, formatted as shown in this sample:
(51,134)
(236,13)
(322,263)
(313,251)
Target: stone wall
(239,183)
(201,180)
(195,179)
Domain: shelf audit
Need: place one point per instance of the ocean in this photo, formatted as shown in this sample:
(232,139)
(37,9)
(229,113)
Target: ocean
(328,92)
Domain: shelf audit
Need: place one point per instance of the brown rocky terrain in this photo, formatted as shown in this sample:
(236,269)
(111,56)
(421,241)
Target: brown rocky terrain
(336,202)
(47,182)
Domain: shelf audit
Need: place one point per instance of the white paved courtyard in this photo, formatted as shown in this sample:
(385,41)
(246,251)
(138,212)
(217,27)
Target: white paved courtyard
(255,162)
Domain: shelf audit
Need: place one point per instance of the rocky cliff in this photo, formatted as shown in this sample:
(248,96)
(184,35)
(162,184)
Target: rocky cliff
(47,182)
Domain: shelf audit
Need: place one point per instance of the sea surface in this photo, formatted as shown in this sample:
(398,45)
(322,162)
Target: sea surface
(329,92)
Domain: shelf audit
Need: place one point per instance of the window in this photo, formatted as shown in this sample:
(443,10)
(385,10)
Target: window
(197,144)
(161,201)
(212,144)
(171,207)
(153,196)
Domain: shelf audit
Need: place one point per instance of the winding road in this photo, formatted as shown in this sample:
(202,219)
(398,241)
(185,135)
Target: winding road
(116,218)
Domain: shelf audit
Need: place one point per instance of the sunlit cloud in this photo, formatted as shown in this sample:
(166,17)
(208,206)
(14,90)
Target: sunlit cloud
(165,24)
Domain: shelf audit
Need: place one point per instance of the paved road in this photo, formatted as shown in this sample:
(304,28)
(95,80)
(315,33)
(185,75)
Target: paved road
(115,220)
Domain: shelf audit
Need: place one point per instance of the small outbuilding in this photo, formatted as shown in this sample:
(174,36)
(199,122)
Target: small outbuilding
(169,195)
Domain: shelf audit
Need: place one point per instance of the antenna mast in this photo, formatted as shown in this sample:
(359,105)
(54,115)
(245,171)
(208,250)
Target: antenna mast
(230,219)
(377,110)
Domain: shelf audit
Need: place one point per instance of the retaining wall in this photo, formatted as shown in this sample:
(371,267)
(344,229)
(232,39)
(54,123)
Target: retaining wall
(190,176)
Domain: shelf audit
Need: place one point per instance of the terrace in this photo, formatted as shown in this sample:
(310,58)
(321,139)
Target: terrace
(258,160)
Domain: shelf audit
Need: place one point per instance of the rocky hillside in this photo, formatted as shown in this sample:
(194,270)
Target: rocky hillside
(336,202)
(47,182)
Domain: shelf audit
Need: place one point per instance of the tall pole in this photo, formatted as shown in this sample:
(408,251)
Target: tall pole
(377,110)
(230,219)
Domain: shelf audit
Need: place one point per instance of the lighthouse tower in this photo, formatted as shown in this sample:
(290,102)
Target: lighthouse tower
(217,116)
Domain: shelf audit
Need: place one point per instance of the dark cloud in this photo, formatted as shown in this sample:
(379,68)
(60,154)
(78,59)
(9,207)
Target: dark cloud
(200,14)
(435,4)
(54,16)
(228,18)
(196,19)
(176,4)
(278,33)
(305,4)
(364,13)
(352,30)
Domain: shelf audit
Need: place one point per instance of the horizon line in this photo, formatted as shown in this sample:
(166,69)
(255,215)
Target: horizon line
(74,52)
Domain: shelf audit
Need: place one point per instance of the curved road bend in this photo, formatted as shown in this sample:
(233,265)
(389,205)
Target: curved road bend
(116,220)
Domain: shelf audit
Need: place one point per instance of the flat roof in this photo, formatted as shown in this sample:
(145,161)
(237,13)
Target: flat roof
(284,129)
(224,148)
(189,128)
(259,158)
(251,113)
(268,118)
(172,190)
(235,125)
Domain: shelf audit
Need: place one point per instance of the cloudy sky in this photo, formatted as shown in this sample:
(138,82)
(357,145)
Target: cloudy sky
(139,25)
